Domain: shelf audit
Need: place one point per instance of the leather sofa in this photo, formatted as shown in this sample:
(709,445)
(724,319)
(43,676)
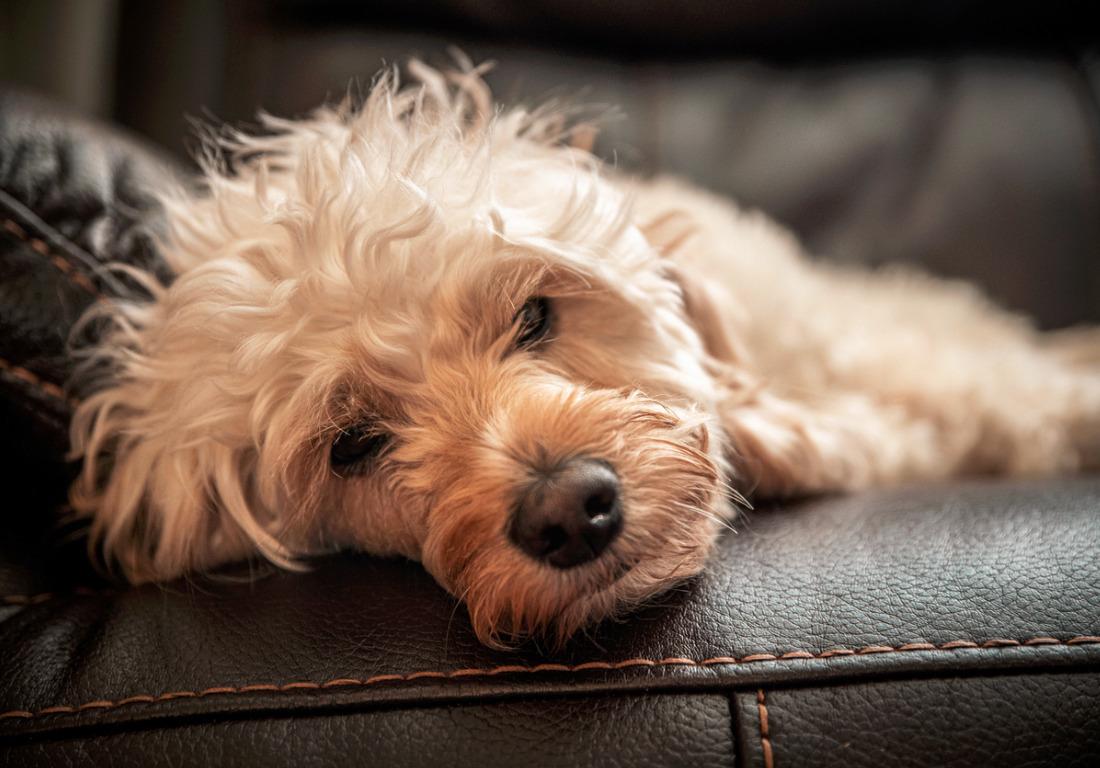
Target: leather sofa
(954,625)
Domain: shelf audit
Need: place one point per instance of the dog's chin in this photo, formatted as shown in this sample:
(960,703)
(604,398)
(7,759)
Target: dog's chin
(550,606)
(629,589)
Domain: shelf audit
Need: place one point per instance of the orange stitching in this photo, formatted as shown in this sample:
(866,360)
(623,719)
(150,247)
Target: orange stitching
(672,661)
(62,264)
(765,739)
(47,388)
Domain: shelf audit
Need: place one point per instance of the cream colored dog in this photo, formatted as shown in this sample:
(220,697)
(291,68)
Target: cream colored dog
(419,328)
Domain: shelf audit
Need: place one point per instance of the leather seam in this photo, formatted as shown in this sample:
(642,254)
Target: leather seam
(63,265)
(765,732)
(47,388)
(589,666)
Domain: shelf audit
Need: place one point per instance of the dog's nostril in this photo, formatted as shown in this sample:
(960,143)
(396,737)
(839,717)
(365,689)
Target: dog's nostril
(571,516)
(553,538)
(600,502)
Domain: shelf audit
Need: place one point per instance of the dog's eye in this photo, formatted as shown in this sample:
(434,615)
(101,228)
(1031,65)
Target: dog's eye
(354,445)
(534,319)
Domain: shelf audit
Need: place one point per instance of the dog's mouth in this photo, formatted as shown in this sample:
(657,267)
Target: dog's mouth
(616,570)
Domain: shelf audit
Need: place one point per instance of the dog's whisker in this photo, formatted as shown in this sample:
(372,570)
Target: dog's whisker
(460,600)
(739,498)
(708,515)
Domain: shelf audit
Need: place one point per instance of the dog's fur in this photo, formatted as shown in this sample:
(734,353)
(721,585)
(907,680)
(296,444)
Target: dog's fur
(366,266)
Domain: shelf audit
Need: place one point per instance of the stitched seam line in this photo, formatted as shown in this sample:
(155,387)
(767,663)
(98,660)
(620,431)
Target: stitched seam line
(47,388)
(63,265)
(765,738)
(588,666)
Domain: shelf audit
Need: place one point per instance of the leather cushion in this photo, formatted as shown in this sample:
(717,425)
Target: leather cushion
(683,729)
(74,197)
(1046,718)
(906,584)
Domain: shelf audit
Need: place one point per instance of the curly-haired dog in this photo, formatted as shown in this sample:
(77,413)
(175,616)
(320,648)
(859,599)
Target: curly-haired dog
(419,328)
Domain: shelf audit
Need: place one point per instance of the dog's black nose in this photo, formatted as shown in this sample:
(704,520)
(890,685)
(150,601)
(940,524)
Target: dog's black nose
(570,516)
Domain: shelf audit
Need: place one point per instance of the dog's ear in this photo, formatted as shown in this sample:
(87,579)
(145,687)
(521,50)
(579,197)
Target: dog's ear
(669,234)
(162,504)
(702,307)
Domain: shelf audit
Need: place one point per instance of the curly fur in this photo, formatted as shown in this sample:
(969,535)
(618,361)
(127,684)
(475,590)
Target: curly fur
(368,263)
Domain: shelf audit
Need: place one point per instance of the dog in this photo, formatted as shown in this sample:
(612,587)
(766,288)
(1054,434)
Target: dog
(422,327)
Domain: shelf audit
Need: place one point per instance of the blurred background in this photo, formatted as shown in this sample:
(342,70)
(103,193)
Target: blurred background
(961,136)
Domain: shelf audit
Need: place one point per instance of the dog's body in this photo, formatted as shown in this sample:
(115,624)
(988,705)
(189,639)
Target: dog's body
(869,378)
(413,330)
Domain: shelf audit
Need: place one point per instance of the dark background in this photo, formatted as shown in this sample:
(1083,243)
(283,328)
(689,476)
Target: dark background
(960,136)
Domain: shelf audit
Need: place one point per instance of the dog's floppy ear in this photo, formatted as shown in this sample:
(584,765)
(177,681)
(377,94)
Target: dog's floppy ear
(701,305)
(163,503)
(668,234)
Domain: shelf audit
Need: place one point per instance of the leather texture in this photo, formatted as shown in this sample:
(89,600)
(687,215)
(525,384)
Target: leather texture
(681,729)
(949,625)
(1044,718)
(73,199)
(887,591)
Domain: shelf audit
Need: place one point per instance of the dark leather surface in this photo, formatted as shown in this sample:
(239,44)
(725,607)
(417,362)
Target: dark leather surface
(843,611)
(897,585)
(617,730)
(953,722)
(73,198)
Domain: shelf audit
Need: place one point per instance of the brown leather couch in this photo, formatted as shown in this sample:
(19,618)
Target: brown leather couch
(950,625)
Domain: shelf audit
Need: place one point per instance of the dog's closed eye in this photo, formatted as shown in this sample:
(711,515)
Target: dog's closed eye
(535,319)
(355,446)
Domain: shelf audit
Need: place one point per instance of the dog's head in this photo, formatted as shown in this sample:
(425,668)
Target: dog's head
(412,329)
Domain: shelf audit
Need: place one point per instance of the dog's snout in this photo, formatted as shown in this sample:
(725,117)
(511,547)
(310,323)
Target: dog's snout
(570,516)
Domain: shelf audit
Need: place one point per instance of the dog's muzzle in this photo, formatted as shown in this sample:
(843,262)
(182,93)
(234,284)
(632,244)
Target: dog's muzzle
(570,515)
